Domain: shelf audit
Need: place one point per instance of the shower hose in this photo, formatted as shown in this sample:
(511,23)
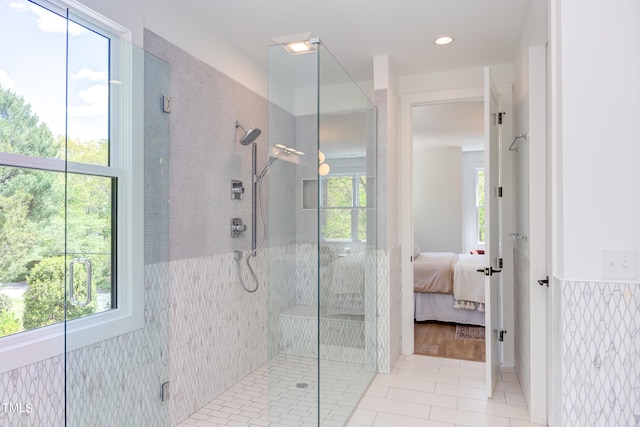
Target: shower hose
(238,254)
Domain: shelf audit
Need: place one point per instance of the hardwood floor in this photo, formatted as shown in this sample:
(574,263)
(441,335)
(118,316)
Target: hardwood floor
(439,340)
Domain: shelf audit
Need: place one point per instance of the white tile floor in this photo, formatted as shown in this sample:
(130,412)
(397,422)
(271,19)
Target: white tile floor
(421,391)
(434,392)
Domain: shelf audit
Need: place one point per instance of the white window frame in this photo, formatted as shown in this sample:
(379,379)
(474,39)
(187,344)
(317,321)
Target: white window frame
(126,158)
(355,205)
(472,161)
(478,207)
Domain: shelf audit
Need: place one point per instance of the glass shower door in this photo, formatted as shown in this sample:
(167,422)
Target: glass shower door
(83,305)
(117,272)
(32,214)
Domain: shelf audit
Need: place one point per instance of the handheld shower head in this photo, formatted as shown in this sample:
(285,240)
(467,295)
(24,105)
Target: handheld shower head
(249,136)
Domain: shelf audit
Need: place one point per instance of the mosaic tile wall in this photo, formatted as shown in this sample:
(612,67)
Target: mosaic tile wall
(389,302)
(218,331)
(107,375)
(600,354)
(293,272)
(40,385)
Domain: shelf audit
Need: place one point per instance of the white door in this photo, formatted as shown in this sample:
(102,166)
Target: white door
(492,230)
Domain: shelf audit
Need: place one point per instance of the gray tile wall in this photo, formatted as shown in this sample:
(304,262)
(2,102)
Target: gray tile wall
(205,154)
(217,330)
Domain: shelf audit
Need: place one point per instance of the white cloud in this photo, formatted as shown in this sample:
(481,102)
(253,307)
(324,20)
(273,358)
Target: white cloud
(20,7)
(6,81)
(89,74)
(96,102)
(48,21)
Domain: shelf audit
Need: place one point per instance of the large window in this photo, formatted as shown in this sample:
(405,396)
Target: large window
(343,205)
(64,157)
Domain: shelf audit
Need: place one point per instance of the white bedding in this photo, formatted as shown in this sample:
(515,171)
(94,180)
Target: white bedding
(468,282)
(433,272)
(439,307)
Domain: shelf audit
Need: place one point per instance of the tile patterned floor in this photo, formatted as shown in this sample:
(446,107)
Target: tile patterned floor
(421,391)
(436,392)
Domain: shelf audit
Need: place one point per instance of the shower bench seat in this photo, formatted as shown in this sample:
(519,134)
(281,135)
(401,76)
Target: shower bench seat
(342,333)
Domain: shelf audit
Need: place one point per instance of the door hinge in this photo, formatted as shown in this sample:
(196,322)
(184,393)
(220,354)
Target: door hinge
(499,191)
(502,332)
(499,262)
(501,117)
(166,103)
(165,392)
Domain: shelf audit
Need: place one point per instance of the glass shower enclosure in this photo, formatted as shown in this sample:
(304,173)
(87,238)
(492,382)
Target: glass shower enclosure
(322,238)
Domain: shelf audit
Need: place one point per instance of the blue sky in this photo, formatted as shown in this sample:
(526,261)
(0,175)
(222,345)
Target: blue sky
(33,61)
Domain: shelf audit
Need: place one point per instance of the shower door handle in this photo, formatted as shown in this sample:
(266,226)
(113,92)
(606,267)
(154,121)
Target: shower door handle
(72,298)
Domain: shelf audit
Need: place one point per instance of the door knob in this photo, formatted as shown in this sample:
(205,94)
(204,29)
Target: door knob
(488,271)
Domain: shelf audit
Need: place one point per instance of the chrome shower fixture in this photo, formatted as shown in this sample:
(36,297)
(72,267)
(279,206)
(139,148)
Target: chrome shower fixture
(283,150)
(250,134)
(288,150)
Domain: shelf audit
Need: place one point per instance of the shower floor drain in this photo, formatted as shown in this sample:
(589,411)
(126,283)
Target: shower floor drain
(302,385)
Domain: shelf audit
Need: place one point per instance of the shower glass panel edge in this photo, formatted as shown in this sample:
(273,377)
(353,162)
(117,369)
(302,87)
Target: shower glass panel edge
(347,240)
(322,254)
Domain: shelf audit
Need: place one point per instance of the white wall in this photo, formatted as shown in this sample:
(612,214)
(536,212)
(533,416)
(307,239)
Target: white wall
(600,132)
(437,199)
(594,89)
(186,30)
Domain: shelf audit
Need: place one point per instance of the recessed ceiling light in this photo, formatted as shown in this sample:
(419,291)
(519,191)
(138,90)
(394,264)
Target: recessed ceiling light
(296,43)
(298,47)
(444,40)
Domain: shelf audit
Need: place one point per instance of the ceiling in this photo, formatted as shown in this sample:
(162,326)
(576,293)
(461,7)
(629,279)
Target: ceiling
(485,32)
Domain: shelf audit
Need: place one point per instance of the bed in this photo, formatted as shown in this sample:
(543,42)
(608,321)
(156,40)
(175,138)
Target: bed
(448,287)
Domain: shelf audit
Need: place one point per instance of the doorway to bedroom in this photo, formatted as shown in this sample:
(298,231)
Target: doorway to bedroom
(448,228)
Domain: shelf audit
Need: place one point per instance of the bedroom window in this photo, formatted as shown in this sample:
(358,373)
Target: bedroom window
(343,205)
(480,204)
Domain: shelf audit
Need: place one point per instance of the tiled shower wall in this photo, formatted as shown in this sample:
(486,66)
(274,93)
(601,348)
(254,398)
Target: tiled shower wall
(217,329)
(389,308)
(217,332)
(123,372)
(599,380)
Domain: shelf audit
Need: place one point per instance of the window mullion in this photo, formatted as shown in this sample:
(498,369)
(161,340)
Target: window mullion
(30,162)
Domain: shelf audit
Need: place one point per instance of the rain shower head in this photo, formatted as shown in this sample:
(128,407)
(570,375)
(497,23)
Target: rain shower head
(249,136)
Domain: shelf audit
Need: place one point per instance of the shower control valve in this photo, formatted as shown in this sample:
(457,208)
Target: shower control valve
(237,227)
(237,189)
